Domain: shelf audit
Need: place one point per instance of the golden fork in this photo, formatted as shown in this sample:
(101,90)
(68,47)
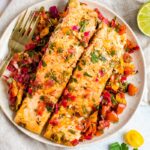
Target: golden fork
(21,35)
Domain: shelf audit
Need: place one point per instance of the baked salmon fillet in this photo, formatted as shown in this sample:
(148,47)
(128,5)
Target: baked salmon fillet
(86,27)
(82,94)
(53,72)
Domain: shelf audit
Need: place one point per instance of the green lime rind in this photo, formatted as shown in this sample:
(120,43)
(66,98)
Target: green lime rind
(143,19)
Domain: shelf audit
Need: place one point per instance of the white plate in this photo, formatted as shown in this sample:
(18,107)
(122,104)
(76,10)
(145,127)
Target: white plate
(138,79)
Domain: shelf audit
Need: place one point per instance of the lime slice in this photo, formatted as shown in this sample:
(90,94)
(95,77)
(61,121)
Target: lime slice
(143,19)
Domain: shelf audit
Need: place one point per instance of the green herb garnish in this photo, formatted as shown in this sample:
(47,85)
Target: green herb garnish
(68,57)
(115,146)
(84,109)
(83,24)
(73,80)
(83,43)
(31,53)
(44,63)
(50,51)
(41,97)
(86,74)
(52,45)
(113,100)
(68,33)
(113,52)
(60,50)
(94,57)
(71,131)
(51,75)
(49,108)
(79,68)
(83,62)
(65,74)
(124,146)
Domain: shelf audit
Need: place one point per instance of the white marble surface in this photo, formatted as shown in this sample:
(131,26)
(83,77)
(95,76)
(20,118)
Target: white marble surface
(11,138)
(3,5)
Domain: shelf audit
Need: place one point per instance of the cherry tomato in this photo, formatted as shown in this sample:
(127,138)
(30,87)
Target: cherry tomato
(127,58)
(132,90)
(41,108)
(112,117)
(120,108)
(122,29)
(128,70)
(104,110)
(75,142)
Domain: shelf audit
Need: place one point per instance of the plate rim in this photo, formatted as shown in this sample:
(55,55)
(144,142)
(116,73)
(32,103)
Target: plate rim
(99,4)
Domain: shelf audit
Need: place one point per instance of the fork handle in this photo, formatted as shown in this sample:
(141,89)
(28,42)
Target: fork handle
(5,63)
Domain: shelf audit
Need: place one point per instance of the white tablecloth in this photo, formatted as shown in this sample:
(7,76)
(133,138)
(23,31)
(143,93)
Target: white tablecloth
(11,138)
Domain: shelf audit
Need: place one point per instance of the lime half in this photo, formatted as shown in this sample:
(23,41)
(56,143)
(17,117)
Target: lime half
(143,19)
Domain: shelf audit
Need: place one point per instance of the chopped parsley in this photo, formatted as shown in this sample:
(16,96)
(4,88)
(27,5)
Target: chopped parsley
(86,74)
(60,50)
(50,51)
(68,32)
(79,68)
(113,100)
(83,62)
(94,57)
(83,43)
(51,75)
(68,57)
(52,45)
(31,53)
(49,108)
(44,63)
(84,109)
(73,80)
(113,52)
(65,74)
(41,97)
(71,131)
(83,24)
(117,28)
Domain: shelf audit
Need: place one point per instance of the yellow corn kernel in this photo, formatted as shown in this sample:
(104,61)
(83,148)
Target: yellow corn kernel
(115,86)
(120,99)
(66,30)
(44,32)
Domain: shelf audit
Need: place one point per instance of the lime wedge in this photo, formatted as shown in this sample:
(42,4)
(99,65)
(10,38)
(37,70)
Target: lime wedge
(143,19)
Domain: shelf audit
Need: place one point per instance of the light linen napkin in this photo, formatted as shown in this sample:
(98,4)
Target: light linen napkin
(10,137)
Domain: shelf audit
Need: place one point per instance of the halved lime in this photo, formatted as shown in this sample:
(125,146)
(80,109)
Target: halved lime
(143,19)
